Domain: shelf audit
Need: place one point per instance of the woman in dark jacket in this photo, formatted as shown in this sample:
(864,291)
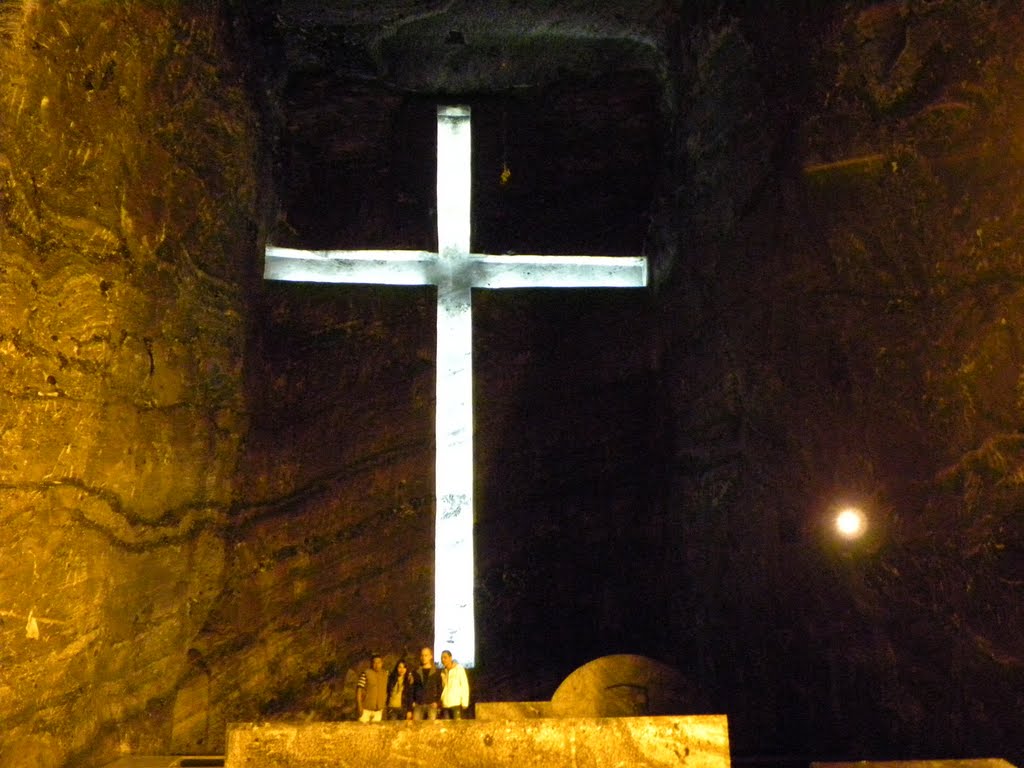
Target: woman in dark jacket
(400,683)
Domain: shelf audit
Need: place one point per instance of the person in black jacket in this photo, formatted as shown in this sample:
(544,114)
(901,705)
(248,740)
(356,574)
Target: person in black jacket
(426,689)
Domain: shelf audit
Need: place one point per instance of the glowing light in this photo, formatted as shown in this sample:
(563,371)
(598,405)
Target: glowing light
(455,271)
(454,164)
(850,523)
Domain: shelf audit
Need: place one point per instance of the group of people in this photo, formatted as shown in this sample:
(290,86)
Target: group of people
(425,693)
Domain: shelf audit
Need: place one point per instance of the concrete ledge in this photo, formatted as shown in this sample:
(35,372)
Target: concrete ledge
(696,741)
(511,710)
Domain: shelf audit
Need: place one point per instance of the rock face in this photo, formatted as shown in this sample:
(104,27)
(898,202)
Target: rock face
(648,742)
(122,332)
(216,494)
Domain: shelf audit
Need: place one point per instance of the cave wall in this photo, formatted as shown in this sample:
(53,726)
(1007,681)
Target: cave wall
(127,226)
(852,221)
(217,493)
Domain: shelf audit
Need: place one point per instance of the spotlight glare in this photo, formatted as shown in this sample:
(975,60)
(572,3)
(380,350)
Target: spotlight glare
(850,523)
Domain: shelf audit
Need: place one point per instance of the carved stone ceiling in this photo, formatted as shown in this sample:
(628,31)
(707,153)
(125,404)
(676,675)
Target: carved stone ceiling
(471,44)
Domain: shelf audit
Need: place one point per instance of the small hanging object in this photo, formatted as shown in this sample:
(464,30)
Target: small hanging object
(506,173)
(32,627)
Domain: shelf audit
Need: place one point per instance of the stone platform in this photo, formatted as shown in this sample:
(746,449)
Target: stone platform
(512,710)
(696,741)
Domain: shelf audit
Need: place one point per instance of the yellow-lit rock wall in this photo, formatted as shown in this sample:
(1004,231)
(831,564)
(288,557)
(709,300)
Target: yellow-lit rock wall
(127,191)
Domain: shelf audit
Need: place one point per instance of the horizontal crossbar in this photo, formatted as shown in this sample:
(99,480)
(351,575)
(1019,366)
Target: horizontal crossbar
(476,270)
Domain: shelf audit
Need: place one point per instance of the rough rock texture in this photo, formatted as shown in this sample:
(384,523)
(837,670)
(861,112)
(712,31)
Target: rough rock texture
(858,302)
(216,494)
(511,710)
(127,165)
(701,741)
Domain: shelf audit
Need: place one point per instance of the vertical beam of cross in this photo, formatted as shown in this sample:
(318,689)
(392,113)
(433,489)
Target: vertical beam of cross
(454,624)
(456,271)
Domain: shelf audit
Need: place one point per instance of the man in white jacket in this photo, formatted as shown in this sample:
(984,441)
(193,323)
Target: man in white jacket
(455,694)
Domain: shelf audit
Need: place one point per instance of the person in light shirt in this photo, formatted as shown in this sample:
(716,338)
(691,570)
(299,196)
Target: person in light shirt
(455,693)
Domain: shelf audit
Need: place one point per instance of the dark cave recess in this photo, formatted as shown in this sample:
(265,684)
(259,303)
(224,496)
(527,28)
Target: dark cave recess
(580,162)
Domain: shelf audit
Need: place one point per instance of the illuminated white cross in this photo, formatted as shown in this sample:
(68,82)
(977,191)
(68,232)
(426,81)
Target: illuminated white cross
(455,271)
